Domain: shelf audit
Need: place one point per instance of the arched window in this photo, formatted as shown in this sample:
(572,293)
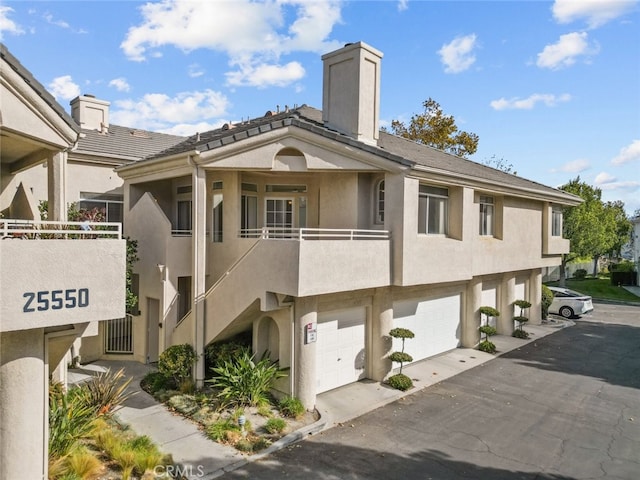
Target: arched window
(379,202)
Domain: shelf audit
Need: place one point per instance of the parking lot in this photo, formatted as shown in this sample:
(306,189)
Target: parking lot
(564,407)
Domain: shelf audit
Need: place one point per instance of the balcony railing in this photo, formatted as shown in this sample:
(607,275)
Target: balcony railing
(315,233)
(118,335)
(50,230)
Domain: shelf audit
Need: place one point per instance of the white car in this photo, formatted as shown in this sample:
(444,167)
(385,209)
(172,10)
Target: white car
(569,303)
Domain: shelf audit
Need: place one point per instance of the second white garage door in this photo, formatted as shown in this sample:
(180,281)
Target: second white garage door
(340,348)
(434,321)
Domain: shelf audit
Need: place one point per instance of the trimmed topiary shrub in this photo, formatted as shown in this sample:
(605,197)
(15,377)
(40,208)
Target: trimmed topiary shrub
(521,319)
(400,381)
(486,329)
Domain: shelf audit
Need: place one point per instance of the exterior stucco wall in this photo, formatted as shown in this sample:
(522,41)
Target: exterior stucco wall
(65,286)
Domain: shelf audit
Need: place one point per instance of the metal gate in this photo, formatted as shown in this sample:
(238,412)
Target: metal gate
(118,335)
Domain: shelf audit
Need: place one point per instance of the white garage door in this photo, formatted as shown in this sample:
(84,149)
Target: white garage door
(434,321)
(340,348)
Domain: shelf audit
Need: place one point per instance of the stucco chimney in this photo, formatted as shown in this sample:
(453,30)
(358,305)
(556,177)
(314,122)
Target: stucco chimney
(90,113)
(351,91)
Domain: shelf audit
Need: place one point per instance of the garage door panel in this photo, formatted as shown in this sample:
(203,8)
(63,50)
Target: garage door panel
(435,323)
(340,348)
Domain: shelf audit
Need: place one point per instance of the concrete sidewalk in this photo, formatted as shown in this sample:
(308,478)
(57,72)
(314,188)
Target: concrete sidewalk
(200,458)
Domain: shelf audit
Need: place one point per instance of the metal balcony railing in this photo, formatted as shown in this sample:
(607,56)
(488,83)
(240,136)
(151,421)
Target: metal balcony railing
(315,233)
(48,230)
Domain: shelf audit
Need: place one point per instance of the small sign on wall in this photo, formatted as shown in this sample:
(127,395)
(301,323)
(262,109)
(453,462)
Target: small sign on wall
(310,332)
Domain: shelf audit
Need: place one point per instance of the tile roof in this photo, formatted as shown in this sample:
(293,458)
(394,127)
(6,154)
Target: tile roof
(124,143)
(37,86)
(390,147)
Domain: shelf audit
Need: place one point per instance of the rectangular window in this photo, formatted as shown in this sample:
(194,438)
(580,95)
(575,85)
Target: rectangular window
(248,215)
(184,296)
(286,188)
(279,216)
(184,217)
(109,205)
(556,222)
(486,215)
(216,219)
(433,206)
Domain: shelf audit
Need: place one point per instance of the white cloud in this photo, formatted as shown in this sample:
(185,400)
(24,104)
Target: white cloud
(603,178)
(457,55)
(566,51)
(595,12)
(263,75)
(403,5)
(159,112)
(49,18)
(195,70)
(187,129)
(6,24)
(575,166)
(120,84)
(528,103)
(606,181)
(630,153)
(253,34)
(64,88)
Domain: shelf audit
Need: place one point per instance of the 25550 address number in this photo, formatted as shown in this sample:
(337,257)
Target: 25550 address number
(55,299)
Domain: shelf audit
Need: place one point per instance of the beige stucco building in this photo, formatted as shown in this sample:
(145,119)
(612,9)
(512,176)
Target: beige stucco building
(50,291)
(318,233)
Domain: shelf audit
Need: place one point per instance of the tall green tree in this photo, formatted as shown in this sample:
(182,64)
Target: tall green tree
(432,127)
(594,228)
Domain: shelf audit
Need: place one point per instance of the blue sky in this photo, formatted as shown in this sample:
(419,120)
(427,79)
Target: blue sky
(553,88)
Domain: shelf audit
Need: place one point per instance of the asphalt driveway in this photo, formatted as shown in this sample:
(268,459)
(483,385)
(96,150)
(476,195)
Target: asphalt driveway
(564,407)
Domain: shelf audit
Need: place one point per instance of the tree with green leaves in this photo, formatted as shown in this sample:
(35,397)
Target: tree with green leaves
(594,228)
(432,127)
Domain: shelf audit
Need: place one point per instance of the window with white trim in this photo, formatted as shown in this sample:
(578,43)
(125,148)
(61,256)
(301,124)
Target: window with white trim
(433,210)
(279,213)
(184,205)
(109,204)
(248,209)
(487,215)
(556,222)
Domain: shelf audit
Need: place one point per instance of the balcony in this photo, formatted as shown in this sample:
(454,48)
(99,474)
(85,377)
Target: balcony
(60,273)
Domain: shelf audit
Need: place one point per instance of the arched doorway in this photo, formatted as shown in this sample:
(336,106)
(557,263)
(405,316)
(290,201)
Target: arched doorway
(267,338)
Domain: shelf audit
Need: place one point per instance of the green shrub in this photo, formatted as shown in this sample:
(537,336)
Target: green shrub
(261,443)
(217,430)
(400,381)
(488,330)
(401,357)
(243,381)
(624,266)
(177,362)
(275,425)
(153,382)
(105,392)
(217,353)
(291,407)
(489,311)
(487,346)
(520,334)
(580,274)
(547,299)
(70,419)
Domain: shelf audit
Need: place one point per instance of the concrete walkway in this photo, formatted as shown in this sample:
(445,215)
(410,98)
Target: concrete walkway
(202,459)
